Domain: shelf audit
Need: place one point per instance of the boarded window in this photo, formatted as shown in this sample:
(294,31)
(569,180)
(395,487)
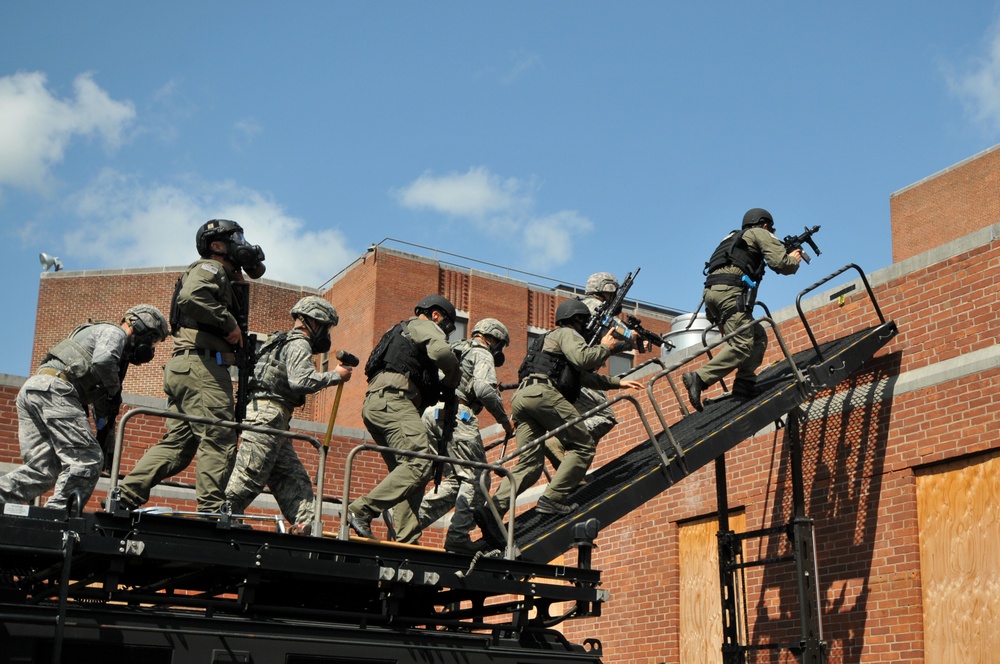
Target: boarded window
(700,601)
(958,507)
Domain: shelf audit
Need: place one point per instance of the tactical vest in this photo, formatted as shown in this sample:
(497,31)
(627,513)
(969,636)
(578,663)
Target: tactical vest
(555,367)
(733,250)
(396,352)
(79,363)
(179,319)
(270,373)
(464,389)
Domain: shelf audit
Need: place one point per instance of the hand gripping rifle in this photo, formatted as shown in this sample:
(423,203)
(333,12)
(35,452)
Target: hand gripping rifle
(603,318)
(246,355)
(793,242)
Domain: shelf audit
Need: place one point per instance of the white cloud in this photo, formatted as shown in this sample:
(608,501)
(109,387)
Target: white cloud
(245,131)
(475,194)
(502,208)
(979,86)
(124,222)
(521,63)
(36,127)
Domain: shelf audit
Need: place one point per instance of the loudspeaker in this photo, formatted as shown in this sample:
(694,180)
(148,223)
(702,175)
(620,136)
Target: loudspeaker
(49,261)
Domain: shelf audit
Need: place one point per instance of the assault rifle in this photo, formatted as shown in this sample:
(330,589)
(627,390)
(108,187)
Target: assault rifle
(246,356)
(793,242)
(644,339)
(447,417)
(603,318)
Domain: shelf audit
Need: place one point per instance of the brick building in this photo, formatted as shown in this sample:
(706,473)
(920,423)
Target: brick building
(902,463)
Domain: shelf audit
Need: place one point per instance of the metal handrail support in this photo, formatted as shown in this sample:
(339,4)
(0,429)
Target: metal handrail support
(532,444)
(112,503)
(799,376)
(344,534)
(802,316)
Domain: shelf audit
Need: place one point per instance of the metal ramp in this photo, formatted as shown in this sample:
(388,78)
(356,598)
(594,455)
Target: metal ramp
(652,467)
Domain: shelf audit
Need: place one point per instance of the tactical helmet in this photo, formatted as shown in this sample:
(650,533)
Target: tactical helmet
(215,229)
(601,282)
(756,216)
(317,309)
(491,327)
(146,320)
(436,302)
(569,310)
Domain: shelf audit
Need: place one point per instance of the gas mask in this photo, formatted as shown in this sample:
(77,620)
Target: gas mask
(139,349)
(496,350)
(248,256)
(319,337)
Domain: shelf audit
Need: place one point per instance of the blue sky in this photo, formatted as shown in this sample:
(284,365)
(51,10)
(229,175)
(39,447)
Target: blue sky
(559,138)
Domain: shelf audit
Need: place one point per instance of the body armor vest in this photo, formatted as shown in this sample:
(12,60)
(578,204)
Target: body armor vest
(270,373)
(79,363)
(555,367)
(733,250)
(396,352)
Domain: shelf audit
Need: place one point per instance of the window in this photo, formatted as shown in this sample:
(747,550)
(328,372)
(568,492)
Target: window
(619,364)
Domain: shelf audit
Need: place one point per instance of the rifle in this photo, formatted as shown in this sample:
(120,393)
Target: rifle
(793,242)
(603,318)
(246,355)
(448,415)
(644,339)
(105,425)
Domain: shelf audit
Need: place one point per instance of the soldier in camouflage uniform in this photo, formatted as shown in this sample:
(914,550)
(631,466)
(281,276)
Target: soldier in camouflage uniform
(57,443)
(601,288)
(403,379)
(733,274)
(283,376)
(196,379)
(478,388)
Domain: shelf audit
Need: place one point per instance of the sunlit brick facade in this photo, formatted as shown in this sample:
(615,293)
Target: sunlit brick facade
(902,462)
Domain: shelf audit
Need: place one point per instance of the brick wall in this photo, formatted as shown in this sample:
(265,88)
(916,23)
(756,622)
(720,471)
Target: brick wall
(947,205)
(931,395)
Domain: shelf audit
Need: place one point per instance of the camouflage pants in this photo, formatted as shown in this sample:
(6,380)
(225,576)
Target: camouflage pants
(57,445)
(263,460)
(459,486)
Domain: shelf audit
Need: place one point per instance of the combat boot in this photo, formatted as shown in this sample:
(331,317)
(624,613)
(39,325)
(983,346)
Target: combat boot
(549,506)
(694,386)
(361,525)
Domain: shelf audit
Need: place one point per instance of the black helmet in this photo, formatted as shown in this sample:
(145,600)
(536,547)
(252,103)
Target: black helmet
(215,229)
(756,217)
(425,305)
(570,309)
(244,255)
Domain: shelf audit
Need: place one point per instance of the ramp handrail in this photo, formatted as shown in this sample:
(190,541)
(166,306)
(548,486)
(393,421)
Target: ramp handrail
(536,442)
(343,532)
(112,504)
(864,280)
(799,376)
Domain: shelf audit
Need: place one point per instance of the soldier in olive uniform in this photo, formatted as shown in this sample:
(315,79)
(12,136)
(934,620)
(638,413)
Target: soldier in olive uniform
(403,379)
(196,379)
(734,274)
(283,376)
(58,446)
(544,401)
(478,388)
(601,288)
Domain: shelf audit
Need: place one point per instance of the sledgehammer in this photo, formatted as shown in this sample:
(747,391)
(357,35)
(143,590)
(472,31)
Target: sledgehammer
(348,360)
